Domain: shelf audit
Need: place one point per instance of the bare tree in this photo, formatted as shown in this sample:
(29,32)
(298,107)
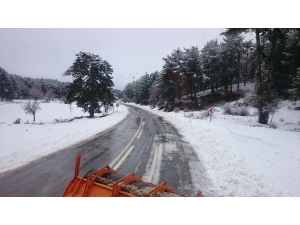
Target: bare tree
(31,108)
(50,94)
(35,94)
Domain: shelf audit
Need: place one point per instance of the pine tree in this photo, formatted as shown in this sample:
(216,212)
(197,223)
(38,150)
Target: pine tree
(248,61)
(296,85)
(3,84)
(92,82)
(173,76)
(193,73)
(232,49)
(262,98)
(211,63)
(128,92)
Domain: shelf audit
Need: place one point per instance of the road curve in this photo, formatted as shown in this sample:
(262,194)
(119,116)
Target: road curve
(142,143)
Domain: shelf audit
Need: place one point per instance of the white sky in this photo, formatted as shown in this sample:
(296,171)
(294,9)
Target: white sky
(47,53)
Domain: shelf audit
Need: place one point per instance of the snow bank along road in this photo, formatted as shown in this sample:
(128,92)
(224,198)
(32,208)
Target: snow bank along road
(142,143)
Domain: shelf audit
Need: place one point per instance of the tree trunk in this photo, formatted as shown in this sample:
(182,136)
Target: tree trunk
(211,85)
(33,117)
(92,109)
(273,55)
(258,75)
(238,75)
(263,119)
(246,72)
(191,91)
(231,83)
(195,95)
(262,116)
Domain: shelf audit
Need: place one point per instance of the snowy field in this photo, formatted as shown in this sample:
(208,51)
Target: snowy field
(25,142)
(241,158)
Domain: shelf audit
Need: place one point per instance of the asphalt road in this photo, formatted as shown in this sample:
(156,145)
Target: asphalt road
(142,143)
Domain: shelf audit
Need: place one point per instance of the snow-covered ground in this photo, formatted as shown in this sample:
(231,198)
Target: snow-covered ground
(240,158)
(22,143)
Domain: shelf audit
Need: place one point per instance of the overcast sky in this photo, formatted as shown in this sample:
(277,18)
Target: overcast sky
(47,53)
(48,49)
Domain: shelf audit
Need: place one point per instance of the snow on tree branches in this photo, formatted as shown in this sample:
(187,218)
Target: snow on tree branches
(35,94)
(31,108)
(92,82)
(50,94)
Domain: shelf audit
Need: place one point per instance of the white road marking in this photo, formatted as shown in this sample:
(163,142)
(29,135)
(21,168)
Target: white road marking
(152,174)
(141,131)
(159,150)
(120,162)
(115,161)
(141,160)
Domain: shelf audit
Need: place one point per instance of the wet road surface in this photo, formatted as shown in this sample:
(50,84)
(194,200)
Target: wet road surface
(142,143)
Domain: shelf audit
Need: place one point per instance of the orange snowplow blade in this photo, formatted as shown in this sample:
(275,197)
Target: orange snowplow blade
(105,182)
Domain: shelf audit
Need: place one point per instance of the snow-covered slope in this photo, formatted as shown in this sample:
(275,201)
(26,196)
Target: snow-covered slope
(241,157)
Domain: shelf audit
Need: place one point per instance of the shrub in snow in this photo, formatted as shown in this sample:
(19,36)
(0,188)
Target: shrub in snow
(281,120)
(31,108)
(203,115)
(35,93)
(296,129)
(235,110)
(272,108)
(63,99)
(189,115)
(273,125)
(199,117)
(50,94)
(27,122)
(227,109)
(255,113)
(61,120)
(243,111)
(17,121)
